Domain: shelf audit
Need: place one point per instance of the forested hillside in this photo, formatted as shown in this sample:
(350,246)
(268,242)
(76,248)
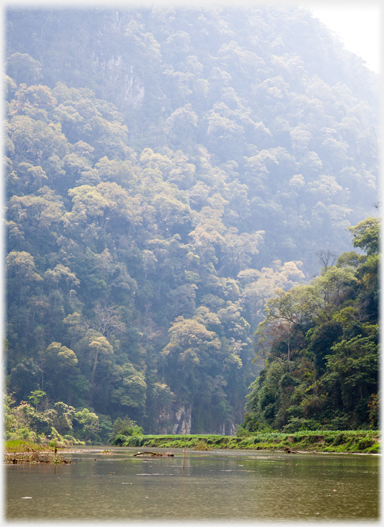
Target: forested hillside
(167,170)
(320,342)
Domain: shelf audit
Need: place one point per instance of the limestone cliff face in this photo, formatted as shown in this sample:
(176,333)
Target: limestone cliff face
(182,419)
(120,82)
(179,421)
(226,429)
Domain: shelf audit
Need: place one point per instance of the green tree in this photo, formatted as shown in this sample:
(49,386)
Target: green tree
(284,312)
(36,397)
(21,271)
(23,68)
(99,346)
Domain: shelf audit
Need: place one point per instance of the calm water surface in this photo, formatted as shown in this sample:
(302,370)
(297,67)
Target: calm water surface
(224,484)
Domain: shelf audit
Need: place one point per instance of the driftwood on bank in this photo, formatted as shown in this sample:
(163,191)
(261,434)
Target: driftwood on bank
(156,454)
(289,450)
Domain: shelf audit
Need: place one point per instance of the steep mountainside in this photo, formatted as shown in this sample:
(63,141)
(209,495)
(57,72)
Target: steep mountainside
(167,169)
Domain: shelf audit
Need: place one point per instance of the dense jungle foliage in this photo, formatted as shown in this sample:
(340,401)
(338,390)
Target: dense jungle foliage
(59,424)
(166,171)
(322,360)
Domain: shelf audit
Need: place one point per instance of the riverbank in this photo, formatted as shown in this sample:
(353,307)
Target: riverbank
(28,452)
(351,441)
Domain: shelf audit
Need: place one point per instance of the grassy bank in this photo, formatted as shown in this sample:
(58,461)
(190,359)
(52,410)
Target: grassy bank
(363,441)
(26,446)
(27,452)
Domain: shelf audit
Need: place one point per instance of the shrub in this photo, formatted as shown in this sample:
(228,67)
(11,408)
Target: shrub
(242,432)
(125,427)
(297,423)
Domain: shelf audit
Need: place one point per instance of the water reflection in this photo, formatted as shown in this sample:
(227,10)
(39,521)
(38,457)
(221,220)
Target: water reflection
(212,485)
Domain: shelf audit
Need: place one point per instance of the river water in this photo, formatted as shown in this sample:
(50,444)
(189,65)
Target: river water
(213,485)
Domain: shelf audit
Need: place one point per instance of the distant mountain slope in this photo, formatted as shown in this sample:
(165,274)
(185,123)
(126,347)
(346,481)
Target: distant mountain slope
(167,170)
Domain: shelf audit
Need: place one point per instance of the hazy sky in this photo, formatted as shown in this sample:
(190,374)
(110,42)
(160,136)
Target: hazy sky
(358,25)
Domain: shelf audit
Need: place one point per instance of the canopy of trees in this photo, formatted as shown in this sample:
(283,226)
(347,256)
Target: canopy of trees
(320,342)
(166,170)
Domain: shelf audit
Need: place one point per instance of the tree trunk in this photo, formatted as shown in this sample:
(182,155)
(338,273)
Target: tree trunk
(94,365)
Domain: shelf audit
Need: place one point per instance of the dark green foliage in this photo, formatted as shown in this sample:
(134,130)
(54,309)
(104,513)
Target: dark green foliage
(295,424)
(124,430)
(367,441)
(165,173)
(332,380)
(321,340)
(24,378)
